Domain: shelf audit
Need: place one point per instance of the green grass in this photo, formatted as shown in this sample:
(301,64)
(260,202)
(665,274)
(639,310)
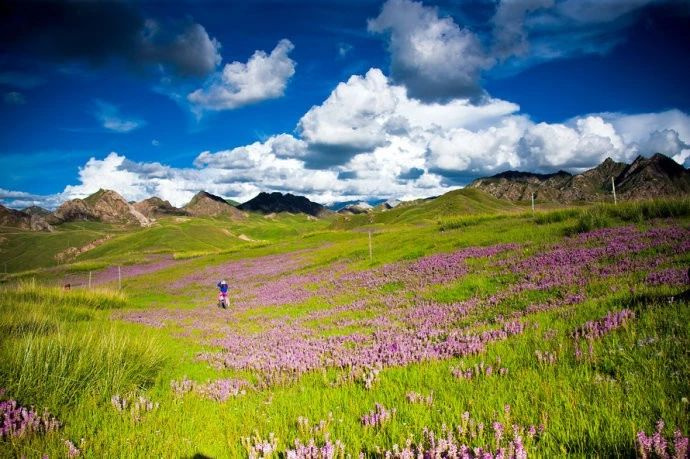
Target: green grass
(57,348)
(68,351)
(456,203)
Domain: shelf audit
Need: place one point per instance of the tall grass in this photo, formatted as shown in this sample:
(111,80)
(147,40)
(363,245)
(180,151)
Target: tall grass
(31,291)
(55,351)
(468,220)
(605,215)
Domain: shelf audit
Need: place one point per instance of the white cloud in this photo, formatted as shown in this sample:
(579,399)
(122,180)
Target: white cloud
(370,139)
(110,118)
(434,57)
(368,112)
(264,76)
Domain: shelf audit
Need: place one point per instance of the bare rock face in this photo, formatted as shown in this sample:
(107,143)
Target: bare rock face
(156,207)
(36,210)
(23,220)
(205,204)
(104,206)
(644,178)
(358,208)
(653,177)
(267,203)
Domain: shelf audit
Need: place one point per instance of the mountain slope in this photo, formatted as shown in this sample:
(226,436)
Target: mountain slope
(36,210)
(104,206)
(644,178)
(278,202)
(22,220)
(205,204)
(156,207)
(454,203)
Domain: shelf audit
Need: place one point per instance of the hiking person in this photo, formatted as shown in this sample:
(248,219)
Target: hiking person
(223,294)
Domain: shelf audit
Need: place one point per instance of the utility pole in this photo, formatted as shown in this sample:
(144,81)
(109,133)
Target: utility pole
(613,187)
(533,204)
(370,252)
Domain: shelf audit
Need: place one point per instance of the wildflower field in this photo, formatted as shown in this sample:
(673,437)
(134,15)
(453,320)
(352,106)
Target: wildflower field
(500,334)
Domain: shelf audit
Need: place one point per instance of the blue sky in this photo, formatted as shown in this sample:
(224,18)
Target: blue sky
(332,100)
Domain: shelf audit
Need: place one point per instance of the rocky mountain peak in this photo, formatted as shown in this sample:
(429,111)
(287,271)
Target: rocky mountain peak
(276,202)
(205,204)
(155,207)
(104,205)
(651,177)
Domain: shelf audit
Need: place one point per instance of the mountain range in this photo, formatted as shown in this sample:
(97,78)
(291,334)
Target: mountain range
(644,178)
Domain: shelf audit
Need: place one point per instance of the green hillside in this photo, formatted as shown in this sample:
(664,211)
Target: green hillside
(455,203)
(182,236)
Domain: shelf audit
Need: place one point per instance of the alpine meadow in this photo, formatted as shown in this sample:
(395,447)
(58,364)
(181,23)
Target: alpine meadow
(324,230)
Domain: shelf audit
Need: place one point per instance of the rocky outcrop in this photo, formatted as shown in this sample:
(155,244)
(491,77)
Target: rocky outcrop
(653,177)
(36,210)
(71,253)
(22,220)
(644,178)
(278,202)
(103,206)
(357,208)
(205,204)
(156,207)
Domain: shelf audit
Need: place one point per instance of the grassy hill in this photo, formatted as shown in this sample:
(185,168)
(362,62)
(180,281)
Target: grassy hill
(182,236)
(455,203)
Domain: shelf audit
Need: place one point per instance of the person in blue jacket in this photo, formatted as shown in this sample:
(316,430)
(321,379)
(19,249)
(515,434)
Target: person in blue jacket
(223,300)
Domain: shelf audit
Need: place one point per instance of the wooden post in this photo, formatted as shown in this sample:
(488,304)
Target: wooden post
(89,279)
(370,252)
(119,278)
(613,187)
(533,204)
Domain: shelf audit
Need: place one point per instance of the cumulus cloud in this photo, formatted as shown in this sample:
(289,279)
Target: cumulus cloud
(434,57)
(98,32)
(264,76)
(110,118)
(366,112)
(384,144)
(439,59)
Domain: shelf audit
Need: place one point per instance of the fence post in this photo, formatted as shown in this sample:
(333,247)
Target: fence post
(613,187)
(89,279)
(532,204)
(370,252)
(119,278)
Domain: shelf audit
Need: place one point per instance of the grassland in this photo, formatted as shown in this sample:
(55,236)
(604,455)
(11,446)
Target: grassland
(300,286)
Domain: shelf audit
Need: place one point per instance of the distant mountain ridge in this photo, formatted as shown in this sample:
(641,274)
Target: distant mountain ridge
(644,178)
(276,202)
(23,220)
